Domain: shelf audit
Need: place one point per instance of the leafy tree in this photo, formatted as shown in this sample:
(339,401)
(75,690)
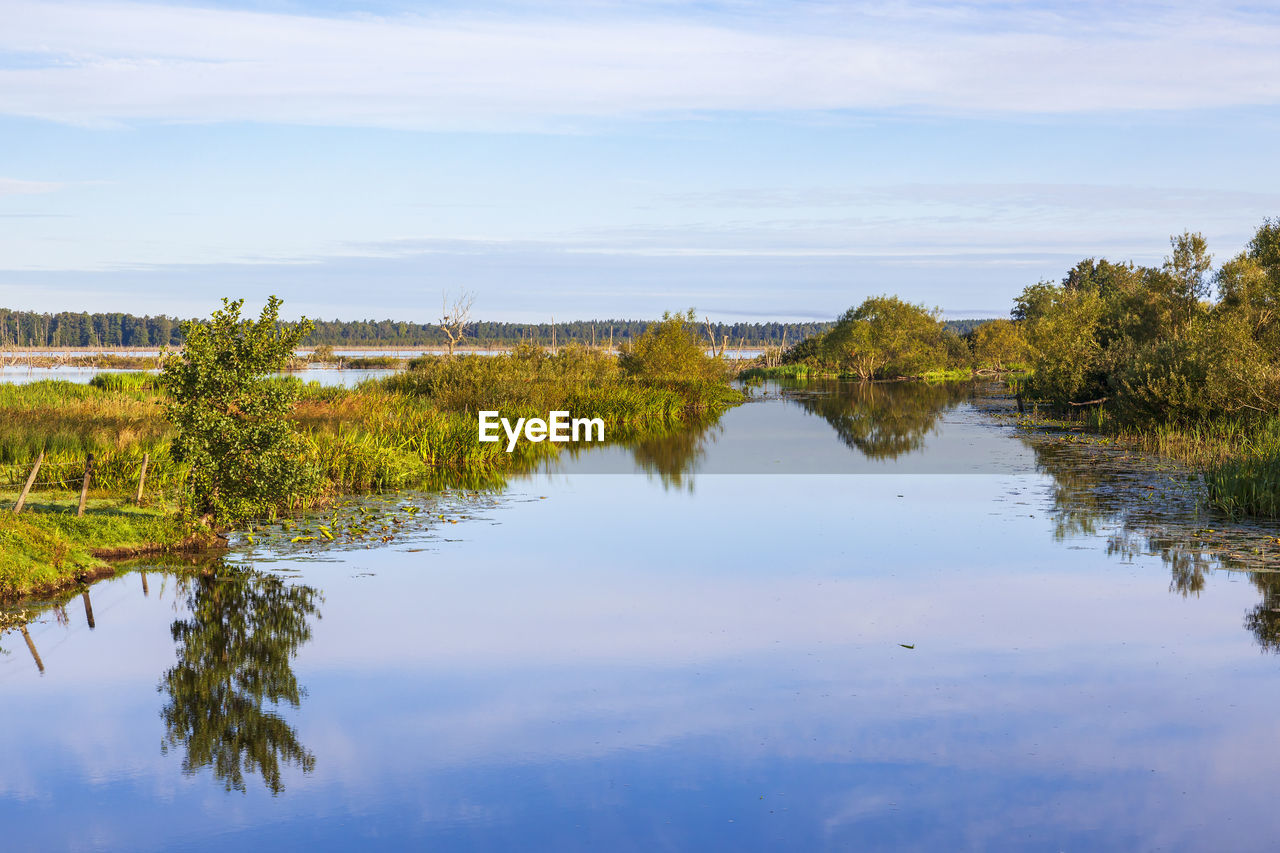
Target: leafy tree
(998,344)
(885,337)
(1187,269)
(807,351)
(1061,329)
(232,418)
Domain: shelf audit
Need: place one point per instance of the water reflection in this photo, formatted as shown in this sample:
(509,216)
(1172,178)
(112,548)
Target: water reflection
(880,420)
(235,651)
(1145,506)
(673,457)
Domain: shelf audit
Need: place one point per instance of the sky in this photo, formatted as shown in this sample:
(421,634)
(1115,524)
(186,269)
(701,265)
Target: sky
(592,159)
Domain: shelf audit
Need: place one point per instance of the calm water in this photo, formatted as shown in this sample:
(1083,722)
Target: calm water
(19,375)
(695,644)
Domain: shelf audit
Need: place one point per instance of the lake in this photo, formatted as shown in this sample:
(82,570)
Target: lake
(844,617)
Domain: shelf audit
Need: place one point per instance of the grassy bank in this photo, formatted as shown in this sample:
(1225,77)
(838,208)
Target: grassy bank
(47,547)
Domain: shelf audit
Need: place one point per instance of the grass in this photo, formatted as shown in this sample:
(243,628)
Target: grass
(782,371)
(47,546)
(1240,460)
(947,375)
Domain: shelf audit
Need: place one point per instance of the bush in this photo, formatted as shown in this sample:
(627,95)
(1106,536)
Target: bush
(232,417)
(671,350)
(1215,369)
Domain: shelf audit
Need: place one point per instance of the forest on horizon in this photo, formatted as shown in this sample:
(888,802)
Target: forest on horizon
(118,329)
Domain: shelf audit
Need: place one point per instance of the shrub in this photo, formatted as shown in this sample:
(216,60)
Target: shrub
(232,418)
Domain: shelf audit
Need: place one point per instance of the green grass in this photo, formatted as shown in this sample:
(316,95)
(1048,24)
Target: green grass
(951,374)
(47,546)
(122,381)
(782,371)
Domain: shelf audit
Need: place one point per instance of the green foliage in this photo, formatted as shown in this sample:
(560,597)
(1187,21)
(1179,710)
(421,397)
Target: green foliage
(807,351)
(232,427)
(671,349)
(998,344)
(1061,331)
(885,338)
(1215,368)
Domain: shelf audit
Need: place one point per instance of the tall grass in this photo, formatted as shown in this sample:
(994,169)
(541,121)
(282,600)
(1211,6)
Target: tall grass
(1239,458)
(122,381)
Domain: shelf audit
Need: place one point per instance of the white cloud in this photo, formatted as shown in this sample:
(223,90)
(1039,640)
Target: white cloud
(121,62)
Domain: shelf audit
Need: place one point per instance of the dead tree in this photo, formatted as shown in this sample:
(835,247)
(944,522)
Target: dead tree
(455,317)
(711,333)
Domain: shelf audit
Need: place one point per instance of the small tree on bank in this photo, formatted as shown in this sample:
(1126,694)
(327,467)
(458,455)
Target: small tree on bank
(232,417)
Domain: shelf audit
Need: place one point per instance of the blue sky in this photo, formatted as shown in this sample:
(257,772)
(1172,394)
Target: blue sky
(591,159)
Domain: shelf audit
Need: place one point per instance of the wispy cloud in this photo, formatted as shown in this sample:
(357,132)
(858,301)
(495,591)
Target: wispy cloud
(13,186)
(544,67)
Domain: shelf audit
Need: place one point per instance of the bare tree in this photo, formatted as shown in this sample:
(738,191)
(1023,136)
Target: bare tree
(455,317)
(711,333)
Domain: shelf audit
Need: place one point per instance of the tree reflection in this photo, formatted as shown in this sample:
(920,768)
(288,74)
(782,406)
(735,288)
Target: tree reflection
(673,456)
(1263,621)
(881,420)
(234,663)
(1146,506)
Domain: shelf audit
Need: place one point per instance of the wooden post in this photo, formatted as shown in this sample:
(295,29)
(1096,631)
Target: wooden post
(88,609)
(22,498)
(142,477)
(145,592)
(32,647)
(84,489)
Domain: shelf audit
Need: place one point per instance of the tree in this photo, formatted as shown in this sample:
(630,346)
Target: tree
(998,344)
(232,417)
(1061,327)
(885,337)
(455,318)
(1187,269)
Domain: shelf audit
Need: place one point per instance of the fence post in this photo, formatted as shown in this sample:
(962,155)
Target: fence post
(31,645)
(22,498)
(84,489)
(88,610)
(142,477)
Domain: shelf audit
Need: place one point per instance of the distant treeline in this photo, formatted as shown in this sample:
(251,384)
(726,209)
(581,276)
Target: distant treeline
(69,329)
